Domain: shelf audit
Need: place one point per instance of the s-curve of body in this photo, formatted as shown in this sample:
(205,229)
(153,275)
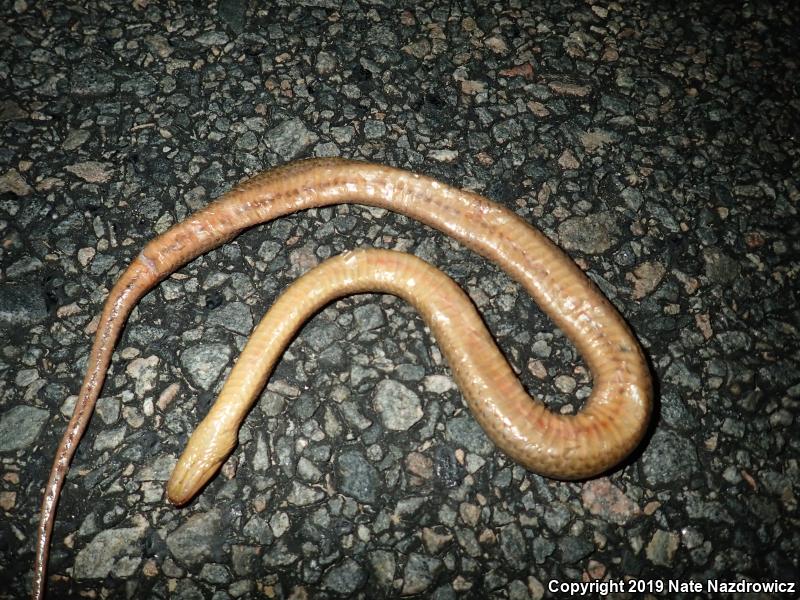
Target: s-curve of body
(610,425)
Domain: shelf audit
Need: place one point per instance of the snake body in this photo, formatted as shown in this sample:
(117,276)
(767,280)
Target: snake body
(609,426)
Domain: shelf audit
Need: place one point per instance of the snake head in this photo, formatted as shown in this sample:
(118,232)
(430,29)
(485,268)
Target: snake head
(207,450)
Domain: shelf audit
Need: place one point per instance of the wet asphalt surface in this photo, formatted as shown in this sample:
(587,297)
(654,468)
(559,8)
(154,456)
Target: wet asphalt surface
(656,144)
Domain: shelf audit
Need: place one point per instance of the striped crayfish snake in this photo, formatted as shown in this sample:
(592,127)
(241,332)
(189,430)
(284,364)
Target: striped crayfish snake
(609,426)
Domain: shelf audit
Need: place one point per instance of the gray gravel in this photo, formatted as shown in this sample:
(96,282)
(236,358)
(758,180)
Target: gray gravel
(657,143)
(20,427)
(398,407)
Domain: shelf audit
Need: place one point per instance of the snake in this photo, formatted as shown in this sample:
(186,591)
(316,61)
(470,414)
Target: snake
(602,433)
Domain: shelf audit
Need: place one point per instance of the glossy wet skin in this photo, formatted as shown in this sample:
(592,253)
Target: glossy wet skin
(611,423)
(566,447)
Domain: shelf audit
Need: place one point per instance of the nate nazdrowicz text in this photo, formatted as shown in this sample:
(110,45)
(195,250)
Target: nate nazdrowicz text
(667,586)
